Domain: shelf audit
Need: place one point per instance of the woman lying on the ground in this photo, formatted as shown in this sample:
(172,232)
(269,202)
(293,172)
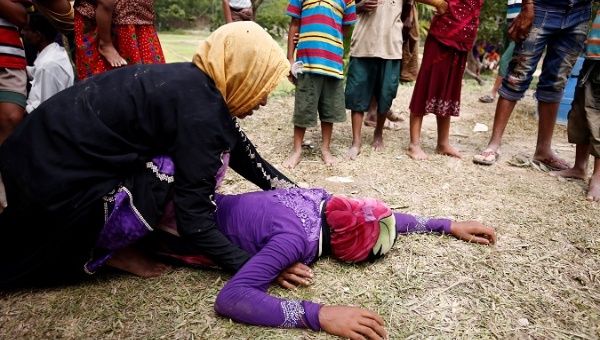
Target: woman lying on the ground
(91,145)
(282,227)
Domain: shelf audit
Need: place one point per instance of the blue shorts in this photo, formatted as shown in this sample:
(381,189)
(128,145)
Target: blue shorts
(562,34)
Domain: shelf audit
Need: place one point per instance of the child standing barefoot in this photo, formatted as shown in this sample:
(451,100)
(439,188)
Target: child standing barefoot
(439,82)
(320,86)
(134,39)
(104,14)
(584,117)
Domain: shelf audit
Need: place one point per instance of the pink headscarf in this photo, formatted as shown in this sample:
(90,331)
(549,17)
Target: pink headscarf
(354,225)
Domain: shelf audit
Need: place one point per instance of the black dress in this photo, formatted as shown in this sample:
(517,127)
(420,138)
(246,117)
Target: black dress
(83,142)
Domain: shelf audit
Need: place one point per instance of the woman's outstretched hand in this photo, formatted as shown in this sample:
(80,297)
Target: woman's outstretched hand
(352,323)
(296,275)
(473,231)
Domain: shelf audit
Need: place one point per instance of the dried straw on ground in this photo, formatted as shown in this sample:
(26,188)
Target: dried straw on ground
(542,279)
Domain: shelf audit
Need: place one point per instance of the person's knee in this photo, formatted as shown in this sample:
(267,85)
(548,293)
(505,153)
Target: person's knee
(11,114)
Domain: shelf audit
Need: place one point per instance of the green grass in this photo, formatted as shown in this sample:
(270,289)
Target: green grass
(179,47)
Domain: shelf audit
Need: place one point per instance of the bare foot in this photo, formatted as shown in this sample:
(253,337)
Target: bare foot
(111,55)
(377,143)
(593,193)
(569,173)
(415,152)
(293,160)
(353,152)
(327,157)
(137,263)
(448,150)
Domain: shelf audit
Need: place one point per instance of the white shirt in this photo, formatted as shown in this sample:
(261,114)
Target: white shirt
(238,4)
(51,73)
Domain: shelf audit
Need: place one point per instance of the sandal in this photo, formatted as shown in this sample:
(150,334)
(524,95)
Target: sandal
(486,99)
(394,116)
(486,158)
(552,164)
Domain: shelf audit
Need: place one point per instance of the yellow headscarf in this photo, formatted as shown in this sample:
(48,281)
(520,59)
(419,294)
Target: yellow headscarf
(245,63)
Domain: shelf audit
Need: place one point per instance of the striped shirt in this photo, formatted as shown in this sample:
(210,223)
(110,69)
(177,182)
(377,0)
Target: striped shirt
(321,42)
(513,9)
(593,40)
(12,54)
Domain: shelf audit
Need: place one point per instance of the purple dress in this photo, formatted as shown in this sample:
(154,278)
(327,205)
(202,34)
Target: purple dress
(280,228)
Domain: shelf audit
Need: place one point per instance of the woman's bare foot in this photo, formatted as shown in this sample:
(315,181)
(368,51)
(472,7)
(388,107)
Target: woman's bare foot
(353,152)
(448,150)
(415,152)
(593,193)
(111,55)
(377,143)
(137,263)
(293,160)
(327,157)
(569,173)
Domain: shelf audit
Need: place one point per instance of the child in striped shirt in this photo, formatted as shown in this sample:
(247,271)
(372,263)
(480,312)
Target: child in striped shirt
(318,68)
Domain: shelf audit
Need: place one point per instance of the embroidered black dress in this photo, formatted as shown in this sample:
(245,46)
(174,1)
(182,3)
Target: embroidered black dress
(84,142)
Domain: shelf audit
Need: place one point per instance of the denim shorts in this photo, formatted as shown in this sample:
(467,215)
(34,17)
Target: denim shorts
(562,34)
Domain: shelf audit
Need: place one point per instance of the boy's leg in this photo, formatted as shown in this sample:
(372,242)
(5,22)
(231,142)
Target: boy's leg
(581,124)
(296,154)
(326,132)
(305,113)
(358,96)
(593,193)
(357,121)
(414,148)
(443,143)
(386,87)
(378,133)
(331,110)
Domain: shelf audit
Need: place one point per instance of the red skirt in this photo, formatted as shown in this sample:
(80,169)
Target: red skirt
(137,44)
(439,82)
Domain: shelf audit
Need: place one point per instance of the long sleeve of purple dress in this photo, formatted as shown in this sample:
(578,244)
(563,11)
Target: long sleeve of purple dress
(245,299)
(407,224)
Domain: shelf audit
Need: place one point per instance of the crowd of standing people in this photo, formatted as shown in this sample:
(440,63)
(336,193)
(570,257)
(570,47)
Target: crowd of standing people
(117,158)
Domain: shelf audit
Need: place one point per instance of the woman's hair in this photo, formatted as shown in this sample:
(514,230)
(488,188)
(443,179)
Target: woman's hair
(355,227)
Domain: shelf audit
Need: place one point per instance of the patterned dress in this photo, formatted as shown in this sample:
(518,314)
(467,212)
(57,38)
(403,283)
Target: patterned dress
(450,37)
(133,34)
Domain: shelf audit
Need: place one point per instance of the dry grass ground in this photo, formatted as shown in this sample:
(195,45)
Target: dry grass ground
(542,279)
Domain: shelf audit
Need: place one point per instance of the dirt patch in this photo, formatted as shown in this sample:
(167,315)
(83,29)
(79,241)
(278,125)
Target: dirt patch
(542,279)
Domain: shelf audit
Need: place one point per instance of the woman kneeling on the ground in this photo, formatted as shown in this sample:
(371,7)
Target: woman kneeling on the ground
(89,148)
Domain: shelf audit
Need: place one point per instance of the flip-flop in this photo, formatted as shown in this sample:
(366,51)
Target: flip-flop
(486,157)
(552,164)
(486,99)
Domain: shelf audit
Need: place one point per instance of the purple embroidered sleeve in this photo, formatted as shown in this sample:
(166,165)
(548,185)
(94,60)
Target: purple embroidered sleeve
(406,224)
(245,299)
